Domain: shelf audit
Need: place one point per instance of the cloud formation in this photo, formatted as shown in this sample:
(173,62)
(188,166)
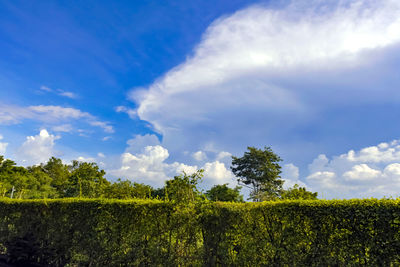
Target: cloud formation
(290,174)
(371,171)
(49,114)
(131,112)
(150,165)
(199,155)
(256,68)
(68,94)
(37,149)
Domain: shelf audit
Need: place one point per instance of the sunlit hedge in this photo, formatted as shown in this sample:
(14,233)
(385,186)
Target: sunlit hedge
(77,232)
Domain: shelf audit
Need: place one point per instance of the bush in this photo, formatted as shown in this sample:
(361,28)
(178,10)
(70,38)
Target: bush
(83,232)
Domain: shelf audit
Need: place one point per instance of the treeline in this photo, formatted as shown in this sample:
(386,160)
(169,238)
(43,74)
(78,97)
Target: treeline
(54,179)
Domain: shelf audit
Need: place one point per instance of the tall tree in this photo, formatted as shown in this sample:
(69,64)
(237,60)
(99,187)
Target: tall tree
(260,170)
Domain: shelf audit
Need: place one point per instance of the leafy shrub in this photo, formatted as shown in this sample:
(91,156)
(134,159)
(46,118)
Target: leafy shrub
(97,232)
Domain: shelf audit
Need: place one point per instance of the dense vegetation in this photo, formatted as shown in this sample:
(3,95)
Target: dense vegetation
(79,218)
(90,232)
(54,179)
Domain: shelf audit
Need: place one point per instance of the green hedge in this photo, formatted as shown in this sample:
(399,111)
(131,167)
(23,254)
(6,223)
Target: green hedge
(73,232)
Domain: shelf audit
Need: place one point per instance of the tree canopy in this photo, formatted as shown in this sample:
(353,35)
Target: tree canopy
(224,193)
(260,170)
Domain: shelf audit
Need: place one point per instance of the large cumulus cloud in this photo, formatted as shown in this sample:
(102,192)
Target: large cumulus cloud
(265,75)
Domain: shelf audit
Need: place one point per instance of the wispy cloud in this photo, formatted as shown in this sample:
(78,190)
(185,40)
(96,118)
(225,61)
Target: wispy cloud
(59,92)
(49,114)
(106,138)
(45,88)
(67,128)
(67,94)
(131,112)
(106,127)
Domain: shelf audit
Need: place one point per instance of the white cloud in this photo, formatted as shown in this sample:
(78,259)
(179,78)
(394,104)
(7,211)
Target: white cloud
(37,149)
(148,167)
(223,155)
(392,170)
(361,172)
(370,172)
(179,168)
(104,125)
(101,155)
(67,128)
(45,88)
(49,114)
(324,180)
(57,112)
(383,152)
(136,144)
(106,138)
(290,174)
(216,173)
(59,92)
(199,155)
(86,159)
(151,167)
(242,79)
(3,146)
(67,94)
(131,112)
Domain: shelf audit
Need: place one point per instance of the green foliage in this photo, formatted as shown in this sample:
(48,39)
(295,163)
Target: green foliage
(59,174)
(260,169)
(30,182)
(39,184)
(128,190)
(224,193)
(297,192)
(183,188)
(158,193)
(20,182)
(82,232)
(86,180)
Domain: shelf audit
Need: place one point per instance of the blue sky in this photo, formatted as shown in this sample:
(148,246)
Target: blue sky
(148,89)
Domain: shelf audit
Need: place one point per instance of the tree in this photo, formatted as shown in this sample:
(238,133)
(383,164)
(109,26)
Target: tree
(59,173)
(259,170)
(183,188)
(127,190)
(86,180)
(297,192)
(14,178)
(38,184)
(224,193)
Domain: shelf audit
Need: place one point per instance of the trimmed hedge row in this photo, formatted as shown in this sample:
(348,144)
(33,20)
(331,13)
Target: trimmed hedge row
(79,232)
